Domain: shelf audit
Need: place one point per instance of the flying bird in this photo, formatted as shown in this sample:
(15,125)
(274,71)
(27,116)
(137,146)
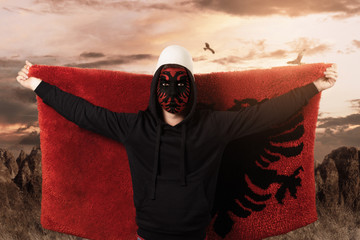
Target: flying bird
(298,59)
(207,46)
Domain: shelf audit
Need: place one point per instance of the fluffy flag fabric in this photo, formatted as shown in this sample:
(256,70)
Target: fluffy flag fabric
(266,184)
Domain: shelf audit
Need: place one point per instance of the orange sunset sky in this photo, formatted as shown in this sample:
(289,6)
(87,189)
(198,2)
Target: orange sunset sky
(129,36)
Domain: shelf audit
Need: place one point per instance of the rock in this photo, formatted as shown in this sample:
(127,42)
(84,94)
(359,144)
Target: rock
(35,155)
(11,201)
(4,173)
(8,160)
(347,163)
(28,178)
(327,178)
(338,178)
(356,234)
(21,158)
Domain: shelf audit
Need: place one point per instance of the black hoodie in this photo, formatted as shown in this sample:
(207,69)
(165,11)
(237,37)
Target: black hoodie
(174,169)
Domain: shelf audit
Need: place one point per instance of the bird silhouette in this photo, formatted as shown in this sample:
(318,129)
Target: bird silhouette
(298,59)
(207,46)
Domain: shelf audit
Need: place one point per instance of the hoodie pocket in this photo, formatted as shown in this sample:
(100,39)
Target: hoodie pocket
(176,208)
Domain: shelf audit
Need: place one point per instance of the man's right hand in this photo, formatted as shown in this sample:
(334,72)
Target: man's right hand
(329,79)
(24,80)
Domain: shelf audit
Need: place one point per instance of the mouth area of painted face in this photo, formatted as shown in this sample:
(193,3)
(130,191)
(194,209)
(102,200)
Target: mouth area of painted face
(173,89)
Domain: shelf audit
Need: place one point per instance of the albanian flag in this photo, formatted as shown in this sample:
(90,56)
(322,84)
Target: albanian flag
(266,184)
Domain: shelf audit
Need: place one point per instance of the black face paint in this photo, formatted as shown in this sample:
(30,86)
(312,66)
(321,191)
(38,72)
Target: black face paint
(173,89)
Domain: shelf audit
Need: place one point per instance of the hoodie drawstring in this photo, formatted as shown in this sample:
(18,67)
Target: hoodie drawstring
(156,160)
(182,166)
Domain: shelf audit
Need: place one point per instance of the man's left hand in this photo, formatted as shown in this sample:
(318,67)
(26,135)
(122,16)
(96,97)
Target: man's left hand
(329,79)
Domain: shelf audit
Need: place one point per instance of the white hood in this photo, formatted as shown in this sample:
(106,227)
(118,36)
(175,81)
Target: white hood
(175,54)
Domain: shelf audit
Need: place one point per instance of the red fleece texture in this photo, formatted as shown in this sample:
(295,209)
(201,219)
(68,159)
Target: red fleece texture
(87,189)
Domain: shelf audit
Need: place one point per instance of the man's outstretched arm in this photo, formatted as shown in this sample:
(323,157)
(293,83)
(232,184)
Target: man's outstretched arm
(79,111)
(260,117)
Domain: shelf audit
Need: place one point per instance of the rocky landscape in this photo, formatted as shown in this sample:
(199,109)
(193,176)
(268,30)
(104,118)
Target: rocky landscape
(20,197)
(337,185)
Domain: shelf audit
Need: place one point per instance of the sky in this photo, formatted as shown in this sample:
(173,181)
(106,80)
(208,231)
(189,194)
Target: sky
(129,36)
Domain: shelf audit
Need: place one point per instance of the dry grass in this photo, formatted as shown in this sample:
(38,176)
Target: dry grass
(336,223)
(24,222)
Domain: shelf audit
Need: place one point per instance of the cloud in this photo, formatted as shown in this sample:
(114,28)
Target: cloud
(7,9)
(229,59)
(312,46)
(71,6)
(356,43)
(318,49)
(91,55)
(19,9)
(32,138)
(161,6)
(17,104)
(329,140)
(281,7)
(335,122)
(26,127)
(258,50)
(260,44)
(64,6)
(334,132)
(355,104)
(199,58)
(275,54)
(340,138)
(8,63)
(9,68)
(23,94)
(253,54)
(113,61)
(321,114)
(16,112)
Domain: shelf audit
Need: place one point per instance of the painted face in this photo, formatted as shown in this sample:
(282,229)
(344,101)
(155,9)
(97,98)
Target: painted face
(173,90)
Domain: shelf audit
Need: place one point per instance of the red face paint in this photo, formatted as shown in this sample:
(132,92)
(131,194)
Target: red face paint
(173,89)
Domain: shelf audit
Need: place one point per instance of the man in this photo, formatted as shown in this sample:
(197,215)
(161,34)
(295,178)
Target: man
(175,149)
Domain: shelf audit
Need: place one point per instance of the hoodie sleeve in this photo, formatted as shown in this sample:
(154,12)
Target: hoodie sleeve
(260,117)
(86,115)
